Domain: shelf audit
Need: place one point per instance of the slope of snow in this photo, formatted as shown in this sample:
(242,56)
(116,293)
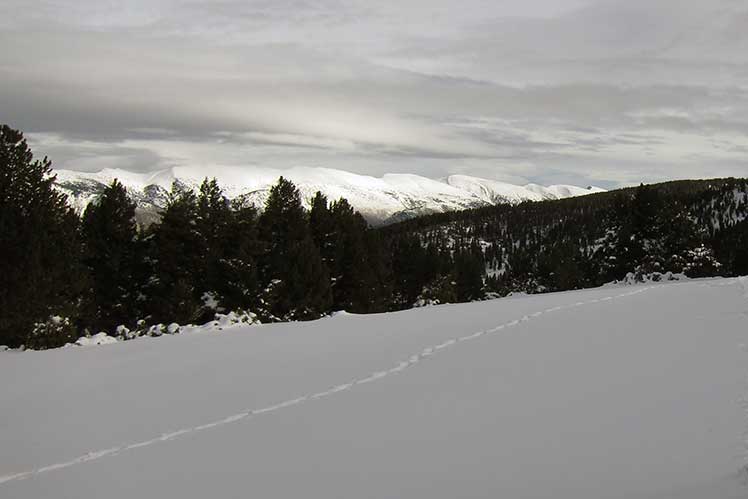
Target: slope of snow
(493,192)
(163,178)
(617,392)
(381,200)
(562,191)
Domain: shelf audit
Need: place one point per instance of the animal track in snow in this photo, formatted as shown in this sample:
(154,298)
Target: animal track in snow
(400,367)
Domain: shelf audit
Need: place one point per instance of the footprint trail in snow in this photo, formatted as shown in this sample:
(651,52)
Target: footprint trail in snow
(400,367)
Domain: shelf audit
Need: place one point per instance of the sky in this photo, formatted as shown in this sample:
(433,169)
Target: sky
(586,92)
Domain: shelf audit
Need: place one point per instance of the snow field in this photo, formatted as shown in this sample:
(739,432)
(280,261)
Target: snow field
(565,330)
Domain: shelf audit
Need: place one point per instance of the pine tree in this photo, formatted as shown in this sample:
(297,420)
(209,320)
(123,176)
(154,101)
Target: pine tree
(291,263)
(468,276)
(306,284)
(354,278)
(213,226)
(111,257)
(620,249)
(239,267)
(414,268)
(322,228)
(379,264)
(700,262)
(732,248)
(40,247)
(644,210)
(235,279)
(175,249)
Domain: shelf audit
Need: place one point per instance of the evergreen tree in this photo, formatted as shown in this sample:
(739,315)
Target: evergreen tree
(619,250)
(355,280)
(213,224)
(414,269)
(380,293)
(561,268)
(176,247)
(111,257)
(645,207)
(732,248)
(322,228)
(468,276)
(306,284)
(40,247)
(240,270)
(700,262)
(291,264)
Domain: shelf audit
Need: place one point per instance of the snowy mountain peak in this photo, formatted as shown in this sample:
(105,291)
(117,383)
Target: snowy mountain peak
(381,200)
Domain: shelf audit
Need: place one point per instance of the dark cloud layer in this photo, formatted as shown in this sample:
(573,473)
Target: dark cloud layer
(609,92)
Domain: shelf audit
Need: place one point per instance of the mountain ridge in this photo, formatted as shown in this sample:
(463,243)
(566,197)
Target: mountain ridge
(381,200)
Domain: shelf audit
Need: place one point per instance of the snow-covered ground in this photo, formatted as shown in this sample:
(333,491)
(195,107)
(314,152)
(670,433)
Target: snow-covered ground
(617,392)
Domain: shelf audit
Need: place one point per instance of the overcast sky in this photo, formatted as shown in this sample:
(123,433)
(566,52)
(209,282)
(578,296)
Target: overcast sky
(604,92)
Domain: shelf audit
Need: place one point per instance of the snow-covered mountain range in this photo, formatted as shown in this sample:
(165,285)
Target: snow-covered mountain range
(382,200)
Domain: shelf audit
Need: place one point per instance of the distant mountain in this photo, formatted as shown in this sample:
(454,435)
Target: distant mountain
(390,198)
(492,192)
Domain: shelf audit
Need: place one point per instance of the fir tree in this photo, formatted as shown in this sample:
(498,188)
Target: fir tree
(732,248)
(111,257)
(213,224)
(354,278)
(40,247)
(380,293)
(414,268)
(291,261)
(306,284)
(322,227)
(468,276)
(239,268)
(176,247)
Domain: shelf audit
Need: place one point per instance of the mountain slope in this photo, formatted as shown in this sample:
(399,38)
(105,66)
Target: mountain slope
(699,227)
(617,392)
(382,200)
(493,192)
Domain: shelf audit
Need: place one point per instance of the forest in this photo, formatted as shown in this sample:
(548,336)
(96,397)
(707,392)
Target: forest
(66,275)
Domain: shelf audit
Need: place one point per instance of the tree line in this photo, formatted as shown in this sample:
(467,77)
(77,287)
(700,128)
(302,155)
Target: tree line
(65,275)
(697,228)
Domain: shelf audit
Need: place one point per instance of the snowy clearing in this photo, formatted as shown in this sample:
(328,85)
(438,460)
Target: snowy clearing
(616,392)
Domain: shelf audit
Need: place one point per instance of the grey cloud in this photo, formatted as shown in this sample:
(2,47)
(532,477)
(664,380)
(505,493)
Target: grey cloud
(590,91)
(94,156)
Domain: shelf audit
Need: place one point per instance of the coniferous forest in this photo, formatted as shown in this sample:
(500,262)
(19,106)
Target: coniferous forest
(65,274)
